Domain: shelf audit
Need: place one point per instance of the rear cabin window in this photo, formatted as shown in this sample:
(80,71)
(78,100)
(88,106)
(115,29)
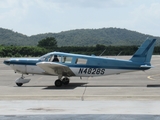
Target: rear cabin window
(81,61)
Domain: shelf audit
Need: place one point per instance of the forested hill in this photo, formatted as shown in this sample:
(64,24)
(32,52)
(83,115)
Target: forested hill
(79,37)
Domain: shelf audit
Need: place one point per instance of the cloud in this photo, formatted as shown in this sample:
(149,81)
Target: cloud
(88,3)
(13,9)
(147,18)
(37,16)
(145,11)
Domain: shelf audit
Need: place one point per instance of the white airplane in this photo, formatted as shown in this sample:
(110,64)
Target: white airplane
(65,65)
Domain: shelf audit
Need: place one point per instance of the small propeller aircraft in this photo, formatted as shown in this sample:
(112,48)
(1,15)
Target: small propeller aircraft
(65,65)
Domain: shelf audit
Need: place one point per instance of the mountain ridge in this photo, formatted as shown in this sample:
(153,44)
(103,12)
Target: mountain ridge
(78,37)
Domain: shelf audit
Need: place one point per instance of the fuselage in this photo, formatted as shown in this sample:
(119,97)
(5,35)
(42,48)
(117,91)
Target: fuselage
(80,65)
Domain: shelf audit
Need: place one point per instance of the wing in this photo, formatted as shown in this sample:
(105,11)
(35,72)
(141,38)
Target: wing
(55,68)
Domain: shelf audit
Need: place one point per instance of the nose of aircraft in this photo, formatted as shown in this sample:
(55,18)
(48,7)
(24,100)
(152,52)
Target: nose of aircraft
(7,62)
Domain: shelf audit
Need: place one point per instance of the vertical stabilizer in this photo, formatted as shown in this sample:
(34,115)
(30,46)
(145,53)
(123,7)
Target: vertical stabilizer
(145,51)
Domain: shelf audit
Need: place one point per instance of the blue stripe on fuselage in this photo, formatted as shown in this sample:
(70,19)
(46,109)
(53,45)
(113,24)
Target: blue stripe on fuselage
(23,61)
(108,67)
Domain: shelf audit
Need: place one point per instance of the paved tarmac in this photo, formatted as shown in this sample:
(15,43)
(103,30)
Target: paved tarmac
(128,96)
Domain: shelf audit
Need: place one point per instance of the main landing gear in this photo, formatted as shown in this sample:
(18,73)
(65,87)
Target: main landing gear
(20,81)
(59,82)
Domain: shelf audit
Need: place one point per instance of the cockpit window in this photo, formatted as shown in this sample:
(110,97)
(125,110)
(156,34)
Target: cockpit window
(50,58)
(54,58)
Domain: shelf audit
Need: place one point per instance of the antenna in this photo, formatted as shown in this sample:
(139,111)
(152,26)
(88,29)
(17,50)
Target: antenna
(119,53)
(102,52)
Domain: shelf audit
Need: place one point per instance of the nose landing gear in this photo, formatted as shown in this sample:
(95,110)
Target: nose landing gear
(20,81)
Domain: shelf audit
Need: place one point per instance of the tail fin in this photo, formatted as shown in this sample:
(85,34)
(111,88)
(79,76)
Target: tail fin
(145,51)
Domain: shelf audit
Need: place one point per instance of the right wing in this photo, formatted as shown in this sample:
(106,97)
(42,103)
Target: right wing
(54,68)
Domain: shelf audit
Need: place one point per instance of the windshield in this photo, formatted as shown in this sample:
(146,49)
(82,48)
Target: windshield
(45,57)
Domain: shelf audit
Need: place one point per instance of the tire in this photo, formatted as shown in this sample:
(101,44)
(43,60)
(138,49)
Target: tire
(58,83)
(19,84)
(65,81)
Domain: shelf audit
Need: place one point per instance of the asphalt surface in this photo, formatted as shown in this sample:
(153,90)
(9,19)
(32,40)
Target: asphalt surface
(128,96)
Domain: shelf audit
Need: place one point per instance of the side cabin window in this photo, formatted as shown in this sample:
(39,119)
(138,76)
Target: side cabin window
(66,59)
(81,61)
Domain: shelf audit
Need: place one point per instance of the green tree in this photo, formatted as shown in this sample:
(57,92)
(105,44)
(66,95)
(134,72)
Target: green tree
(48,43)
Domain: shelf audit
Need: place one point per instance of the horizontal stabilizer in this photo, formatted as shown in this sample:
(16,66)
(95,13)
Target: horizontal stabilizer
(146,66)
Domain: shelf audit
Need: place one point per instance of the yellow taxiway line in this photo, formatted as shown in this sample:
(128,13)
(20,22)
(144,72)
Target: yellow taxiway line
(152,77)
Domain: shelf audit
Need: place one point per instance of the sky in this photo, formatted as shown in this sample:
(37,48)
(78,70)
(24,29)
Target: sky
(31,17)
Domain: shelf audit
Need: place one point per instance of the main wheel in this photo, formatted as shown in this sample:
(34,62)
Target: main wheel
(58,83)
(65,81)
(19,84)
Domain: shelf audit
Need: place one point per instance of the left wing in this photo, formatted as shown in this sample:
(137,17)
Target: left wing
(55,68)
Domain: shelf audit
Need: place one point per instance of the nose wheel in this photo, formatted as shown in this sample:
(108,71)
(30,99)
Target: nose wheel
(19,84)
(59,82)
(20,81)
